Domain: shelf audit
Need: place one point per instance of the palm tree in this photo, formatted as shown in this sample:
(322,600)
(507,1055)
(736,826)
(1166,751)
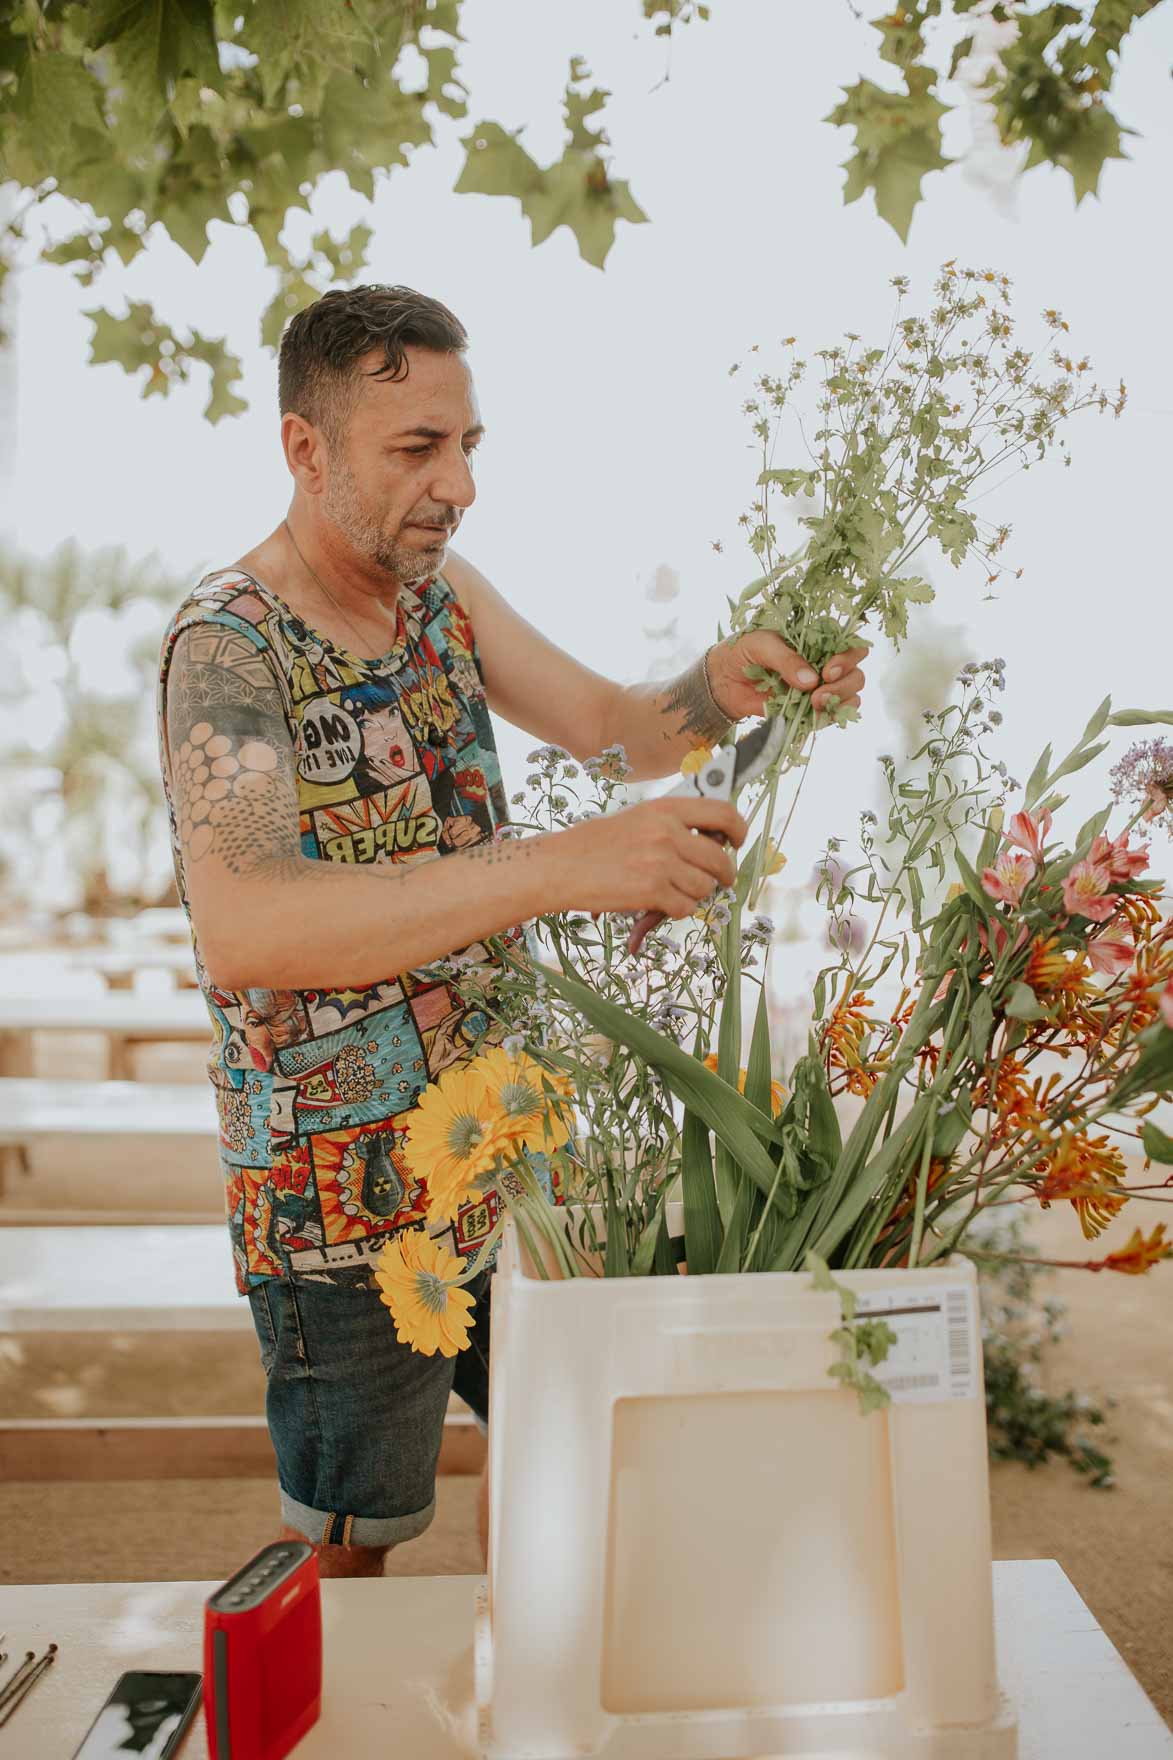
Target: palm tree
(77,711)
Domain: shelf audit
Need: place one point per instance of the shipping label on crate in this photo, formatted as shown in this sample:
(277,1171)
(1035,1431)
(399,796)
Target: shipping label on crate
(935,1355)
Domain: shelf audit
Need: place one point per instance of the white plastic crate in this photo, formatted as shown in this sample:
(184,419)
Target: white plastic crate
(701,1550)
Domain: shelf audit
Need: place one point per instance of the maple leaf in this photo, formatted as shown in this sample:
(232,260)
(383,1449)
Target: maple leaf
(156,42)
(898,141)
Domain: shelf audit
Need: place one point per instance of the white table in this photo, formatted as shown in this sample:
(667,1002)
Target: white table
(398,1666)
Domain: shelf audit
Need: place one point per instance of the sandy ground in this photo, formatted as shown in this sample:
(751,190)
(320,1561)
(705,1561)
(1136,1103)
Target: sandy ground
(1116,1545)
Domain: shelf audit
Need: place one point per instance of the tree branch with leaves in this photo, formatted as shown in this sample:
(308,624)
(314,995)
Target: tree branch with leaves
(164,116)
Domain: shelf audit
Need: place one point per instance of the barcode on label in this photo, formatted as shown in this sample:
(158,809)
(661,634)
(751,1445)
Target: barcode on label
(932,1357)
(957,1324)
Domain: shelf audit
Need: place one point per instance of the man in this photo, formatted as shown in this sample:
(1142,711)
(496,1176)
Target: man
(325,737)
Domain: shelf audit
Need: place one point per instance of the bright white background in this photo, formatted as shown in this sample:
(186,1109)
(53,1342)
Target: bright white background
(616,442)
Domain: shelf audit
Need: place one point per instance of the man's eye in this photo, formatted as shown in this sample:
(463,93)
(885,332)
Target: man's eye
(418,451)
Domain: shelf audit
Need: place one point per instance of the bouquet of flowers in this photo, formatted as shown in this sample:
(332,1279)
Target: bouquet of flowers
(1033,1029)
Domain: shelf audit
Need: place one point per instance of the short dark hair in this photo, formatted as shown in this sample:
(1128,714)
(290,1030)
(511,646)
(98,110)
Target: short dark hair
(315,372)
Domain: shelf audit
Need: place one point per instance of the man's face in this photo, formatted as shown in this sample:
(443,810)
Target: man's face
(389,480)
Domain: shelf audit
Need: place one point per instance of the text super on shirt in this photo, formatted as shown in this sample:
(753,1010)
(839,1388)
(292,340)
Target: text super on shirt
(396,762)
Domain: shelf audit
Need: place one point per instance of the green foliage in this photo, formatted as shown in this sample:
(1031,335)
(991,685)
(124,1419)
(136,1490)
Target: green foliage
(1024,1422)
(163,116)
(575,192)
(1049,94)
(860,1344)
(139,340)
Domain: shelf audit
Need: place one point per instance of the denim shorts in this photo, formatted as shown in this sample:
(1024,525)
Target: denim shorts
(355,1417)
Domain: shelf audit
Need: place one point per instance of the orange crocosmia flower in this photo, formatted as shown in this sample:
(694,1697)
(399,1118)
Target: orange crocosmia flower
(1167,1004)
(777,1089)
(695,761)
(1049,969)
(1086,1171)
(1138,1255)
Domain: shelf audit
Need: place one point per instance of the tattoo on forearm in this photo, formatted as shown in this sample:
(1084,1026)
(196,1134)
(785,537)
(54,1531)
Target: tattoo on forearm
(505,851)
(232,775)
(687,698)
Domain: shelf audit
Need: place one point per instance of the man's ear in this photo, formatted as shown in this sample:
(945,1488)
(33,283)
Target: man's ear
(306,453)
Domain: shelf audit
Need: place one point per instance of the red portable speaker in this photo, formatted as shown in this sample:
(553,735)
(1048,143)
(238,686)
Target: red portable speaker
(263,1655)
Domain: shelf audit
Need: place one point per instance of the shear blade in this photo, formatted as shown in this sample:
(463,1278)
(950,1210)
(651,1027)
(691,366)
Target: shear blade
(757,749)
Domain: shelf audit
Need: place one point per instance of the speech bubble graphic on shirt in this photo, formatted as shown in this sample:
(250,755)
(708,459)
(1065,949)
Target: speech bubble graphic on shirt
(329,743)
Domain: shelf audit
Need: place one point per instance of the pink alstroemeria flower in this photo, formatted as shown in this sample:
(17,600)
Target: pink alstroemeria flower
(1121,862)
(1030,834)
(1007,880)
(1167,1004)
(1111,954)
(1085,892)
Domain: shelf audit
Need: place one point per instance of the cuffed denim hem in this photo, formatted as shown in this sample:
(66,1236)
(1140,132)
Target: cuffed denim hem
(322,1528)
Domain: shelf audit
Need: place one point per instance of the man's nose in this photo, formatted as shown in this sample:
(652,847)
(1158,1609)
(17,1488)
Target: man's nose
(455,486)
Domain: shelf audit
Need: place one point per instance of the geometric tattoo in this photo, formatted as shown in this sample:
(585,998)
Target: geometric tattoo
(232,775)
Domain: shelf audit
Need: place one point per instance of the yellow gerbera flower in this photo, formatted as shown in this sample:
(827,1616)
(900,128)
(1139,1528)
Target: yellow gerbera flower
(524,1111)
(453,1137)
(415,1277)
(777,1089)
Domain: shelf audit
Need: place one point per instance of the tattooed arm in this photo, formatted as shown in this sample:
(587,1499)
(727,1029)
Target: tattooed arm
(658,724)
(265,914)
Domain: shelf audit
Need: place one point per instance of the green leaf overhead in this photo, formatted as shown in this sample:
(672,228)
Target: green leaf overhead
(1048,91)
(156,42)
(576,192)
(166,115)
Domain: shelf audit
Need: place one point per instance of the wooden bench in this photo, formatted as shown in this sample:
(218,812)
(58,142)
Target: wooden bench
(124,1019)
(33,1109)
(134,1280)
(119,966)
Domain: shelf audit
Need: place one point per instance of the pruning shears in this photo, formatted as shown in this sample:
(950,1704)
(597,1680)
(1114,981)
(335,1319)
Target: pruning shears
(721,777)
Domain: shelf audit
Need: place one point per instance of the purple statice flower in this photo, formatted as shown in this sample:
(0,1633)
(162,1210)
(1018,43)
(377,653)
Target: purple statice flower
(1144,775)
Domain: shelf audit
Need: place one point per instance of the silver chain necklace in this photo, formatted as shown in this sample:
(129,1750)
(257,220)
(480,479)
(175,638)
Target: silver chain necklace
(321,583)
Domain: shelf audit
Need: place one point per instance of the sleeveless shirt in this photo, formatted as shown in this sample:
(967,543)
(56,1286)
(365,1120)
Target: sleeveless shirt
(395,763)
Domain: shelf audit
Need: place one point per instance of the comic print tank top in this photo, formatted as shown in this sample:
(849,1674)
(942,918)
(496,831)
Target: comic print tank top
(396,762)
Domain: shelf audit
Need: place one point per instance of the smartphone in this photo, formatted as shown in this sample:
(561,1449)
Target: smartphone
(146,1715)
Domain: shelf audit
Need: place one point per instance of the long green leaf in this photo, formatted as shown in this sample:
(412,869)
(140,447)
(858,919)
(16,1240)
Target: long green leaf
(719,1104)
(972,884)
(1076,760)
(1037,778)
(733,1246)
(1098,722)
(645,1253)
(758,1072)
(615,1251)
(703,1229)
(1141,718)
(726,1180)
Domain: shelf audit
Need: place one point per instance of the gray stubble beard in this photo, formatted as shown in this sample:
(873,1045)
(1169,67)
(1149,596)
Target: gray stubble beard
(343,505)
